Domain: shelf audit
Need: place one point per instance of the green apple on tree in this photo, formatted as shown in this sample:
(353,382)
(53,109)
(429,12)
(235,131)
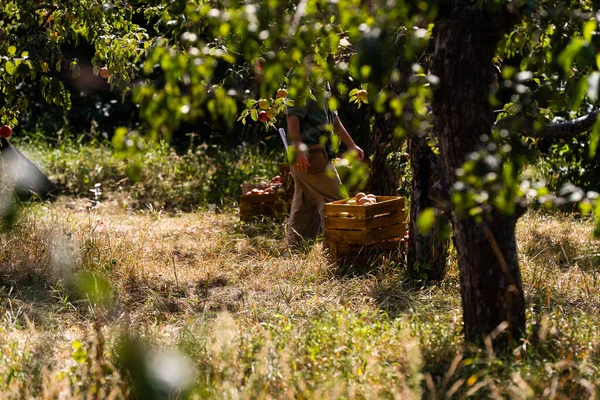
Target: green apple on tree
(264,104)
(362,95)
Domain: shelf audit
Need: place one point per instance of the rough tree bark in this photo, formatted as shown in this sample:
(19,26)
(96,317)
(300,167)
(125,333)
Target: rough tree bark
(556,130)
(383,180)
(427,254)
(465,41)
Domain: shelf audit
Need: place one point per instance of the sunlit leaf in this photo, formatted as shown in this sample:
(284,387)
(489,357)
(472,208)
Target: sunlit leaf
(426,220)
(568,55)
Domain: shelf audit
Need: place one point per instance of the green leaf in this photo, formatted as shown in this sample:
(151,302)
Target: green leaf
(426,220)
(588,29)
(12,50)
(119,139)
(568,55)
(79,354)
(508,72)
(594,139)
(578,92)
(585,207)
(10,68)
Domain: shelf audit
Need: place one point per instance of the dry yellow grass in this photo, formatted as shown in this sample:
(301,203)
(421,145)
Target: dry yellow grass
(247,312)
(560,262)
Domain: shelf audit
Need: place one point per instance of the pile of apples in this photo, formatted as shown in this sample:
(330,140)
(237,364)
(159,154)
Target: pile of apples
(257,191)
(275,186)
(276,181)
(362,199)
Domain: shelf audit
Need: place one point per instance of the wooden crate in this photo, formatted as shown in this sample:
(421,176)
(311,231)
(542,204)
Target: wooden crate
(261,205)
(345,223)
(365,230)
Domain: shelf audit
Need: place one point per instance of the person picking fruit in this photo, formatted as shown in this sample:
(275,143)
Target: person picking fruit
(316,180)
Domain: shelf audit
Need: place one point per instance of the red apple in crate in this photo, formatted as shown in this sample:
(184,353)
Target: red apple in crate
(5,131)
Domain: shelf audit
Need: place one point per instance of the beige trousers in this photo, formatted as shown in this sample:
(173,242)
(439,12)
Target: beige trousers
(311,192)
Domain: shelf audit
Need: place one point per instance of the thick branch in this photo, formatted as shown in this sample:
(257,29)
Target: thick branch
(568,128)
(555,130)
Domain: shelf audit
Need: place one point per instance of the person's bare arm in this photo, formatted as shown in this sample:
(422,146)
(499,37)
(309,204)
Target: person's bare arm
(301,162)
(346,138)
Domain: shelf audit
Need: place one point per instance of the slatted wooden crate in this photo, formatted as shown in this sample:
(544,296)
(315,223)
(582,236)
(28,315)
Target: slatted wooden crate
(265,205)
(365,229)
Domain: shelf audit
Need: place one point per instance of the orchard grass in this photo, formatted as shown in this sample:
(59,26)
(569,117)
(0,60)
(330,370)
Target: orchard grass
(156,175)
(90,295)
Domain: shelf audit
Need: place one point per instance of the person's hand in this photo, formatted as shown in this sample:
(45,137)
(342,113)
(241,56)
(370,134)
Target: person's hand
(301,163)
(359,152)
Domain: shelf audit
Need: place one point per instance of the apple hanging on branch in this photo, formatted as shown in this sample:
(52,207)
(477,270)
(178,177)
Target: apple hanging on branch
(281,94)
(5,131)
(359,96)
(105,73)
(263,116)
(264,104)
(266,110)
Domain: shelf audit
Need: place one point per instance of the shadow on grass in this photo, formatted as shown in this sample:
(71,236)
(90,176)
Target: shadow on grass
(394,291)
(215,295)
(260,226)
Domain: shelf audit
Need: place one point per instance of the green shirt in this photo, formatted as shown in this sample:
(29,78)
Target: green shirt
(315,122)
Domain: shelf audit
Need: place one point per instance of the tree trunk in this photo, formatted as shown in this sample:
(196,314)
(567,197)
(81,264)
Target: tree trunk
(384,180)
(490,279)
(427,254)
